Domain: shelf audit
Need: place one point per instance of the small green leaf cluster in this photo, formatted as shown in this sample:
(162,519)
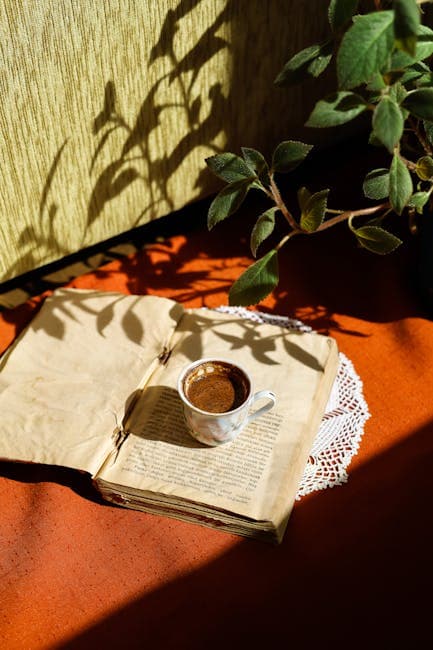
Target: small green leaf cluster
(251,171)
(381,62)
(383,71)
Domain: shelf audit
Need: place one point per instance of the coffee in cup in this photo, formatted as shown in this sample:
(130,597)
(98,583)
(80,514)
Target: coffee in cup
(217,397)
(216,386)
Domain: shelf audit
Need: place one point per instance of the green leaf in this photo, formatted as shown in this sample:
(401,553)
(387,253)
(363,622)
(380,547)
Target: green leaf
(377,240)
(227,201)
(414,72)
(388,122)
(397,92)
(289,154)
(420,103)
(425,80)
(406,25)
(303,197)
(308,63)
(424,49)
(391,76)
(375,221)
(340,12)
(424,46)
(428,128)
(256,282)
(424,168)
(374,141)
(314,211)
(376,184)
(418,201)
(257,164)
(229,167)
(336,109)
(400,184)
(263,227)
(376,83)
(365,49)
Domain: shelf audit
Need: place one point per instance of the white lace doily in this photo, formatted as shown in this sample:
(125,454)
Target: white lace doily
(342,426)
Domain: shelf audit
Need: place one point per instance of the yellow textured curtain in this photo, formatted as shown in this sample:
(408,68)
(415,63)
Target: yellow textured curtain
(108,109)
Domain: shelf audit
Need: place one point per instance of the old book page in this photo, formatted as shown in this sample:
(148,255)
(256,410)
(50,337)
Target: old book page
(65,383)
(257,475)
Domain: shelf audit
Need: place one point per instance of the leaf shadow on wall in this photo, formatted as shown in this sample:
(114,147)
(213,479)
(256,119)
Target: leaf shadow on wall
(125,154)
(136,162)
(139,160)
(44,233)
(210,112)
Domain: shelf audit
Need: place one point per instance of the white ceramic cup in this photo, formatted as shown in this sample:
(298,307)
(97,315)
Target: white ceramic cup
(217,428)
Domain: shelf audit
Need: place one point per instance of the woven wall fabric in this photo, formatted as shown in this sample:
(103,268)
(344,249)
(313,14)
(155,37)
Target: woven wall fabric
(108,110)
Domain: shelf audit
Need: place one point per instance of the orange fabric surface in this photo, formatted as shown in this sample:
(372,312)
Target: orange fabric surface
(354,569)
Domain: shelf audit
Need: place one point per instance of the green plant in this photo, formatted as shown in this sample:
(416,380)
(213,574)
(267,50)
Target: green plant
(381,64)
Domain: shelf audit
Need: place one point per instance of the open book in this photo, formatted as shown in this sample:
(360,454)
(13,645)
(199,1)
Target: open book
(91,384)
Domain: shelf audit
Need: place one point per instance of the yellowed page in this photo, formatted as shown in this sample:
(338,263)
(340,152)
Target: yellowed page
(257,475)
(68,380)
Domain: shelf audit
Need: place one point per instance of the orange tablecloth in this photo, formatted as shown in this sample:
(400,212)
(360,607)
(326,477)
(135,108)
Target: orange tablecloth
(355,567)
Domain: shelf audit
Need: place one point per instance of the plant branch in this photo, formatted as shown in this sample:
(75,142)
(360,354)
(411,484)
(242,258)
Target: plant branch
(285,239)
(409,164)
(342,216)
(352,213)
(425,145)
(282,206)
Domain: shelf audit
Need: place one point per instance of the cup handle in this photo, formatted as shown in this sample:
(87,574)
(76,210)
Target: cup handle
(262,394)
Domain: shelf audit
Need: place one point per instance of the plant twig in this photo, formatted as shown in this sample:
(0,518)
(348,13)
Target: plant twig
(282,206)
(425,145)
(342,216)
(285,239)
(352,213)
(409,164)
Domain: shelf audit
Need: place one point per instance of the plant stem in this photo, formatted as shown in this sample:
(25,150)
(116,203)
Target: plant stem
(285,239)
(282,206)
(409,164)
(342,216)
(425,145)
(352,213)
